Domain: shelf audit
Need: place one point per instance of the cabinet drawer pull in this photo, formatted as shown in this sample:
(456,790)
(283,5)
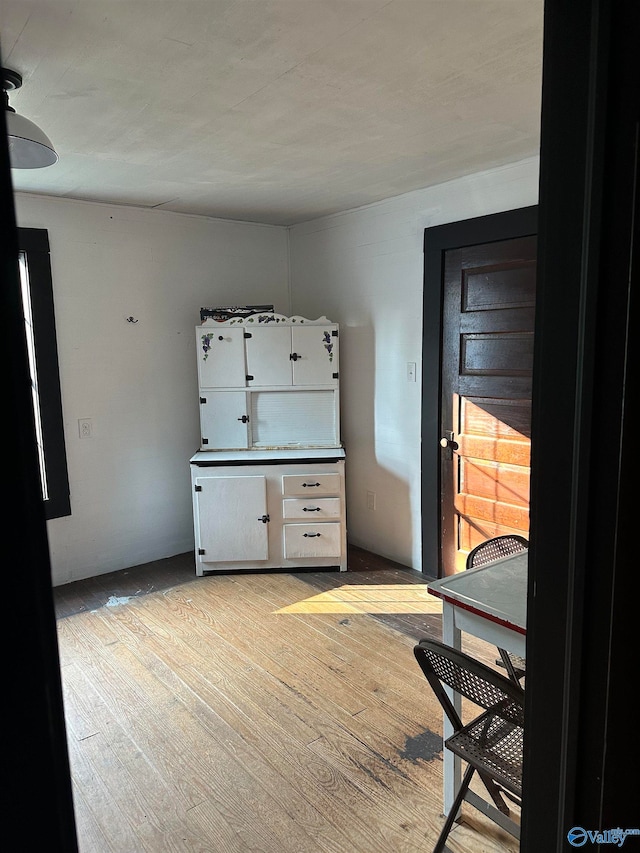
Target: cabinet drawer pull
(311,535)
(310,509)
(309,485)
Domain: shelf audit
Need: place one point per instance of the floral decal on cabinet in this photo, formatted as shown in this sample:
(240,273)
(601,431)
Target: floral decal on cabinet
(328,344)
(265,318)
(206,345)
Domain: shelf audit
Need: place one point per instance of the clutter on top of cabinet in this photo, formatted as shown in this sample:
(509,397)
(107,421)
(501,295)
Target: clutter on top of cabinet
(227,312)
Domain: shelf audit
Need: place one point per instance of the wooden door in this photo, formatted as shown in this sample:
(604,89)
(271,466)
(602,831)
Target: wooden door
(487,365)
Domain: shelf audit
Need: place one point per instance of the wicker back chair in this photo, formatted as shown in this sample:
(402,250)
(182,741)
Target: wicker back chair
(490,743)
(485,552)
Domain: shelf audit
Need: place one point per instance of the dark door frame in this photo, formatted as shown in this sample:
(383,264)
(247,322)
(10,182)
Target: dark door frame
(521,222)
(36,762)
(584,584)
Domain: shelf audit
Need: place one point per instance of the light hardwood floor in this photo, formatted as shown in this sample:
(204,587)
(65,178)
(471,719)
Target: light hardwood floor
(280,713)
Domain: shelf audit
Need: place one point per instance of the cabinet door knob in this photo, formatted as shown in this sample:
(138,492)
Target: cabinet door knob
(294,356)
(244,419)
(264,518)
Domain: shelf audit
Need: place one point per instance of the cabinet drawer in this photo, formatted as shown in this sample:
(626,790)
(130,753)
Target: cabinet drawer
(311,484)
(311,540)
(311,509)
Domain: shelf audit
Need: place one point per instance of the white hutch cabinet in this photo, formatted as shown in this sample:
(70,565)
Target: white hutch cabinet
(268,481)
(268,381)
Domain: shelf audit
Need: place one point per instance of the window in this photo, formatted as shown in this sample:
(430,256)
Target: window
(40,329)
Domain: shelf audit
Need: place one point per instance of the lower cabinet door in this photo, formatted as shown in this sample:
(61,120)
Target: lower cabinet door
(311,540)
(232,518)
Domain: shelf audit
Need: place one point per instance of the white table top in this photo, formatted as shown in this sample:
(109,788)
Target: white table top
(496,591)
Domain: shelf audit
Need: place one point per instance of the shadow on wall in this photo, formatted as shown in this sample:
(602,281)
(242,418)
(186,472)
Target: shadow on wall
(379,517)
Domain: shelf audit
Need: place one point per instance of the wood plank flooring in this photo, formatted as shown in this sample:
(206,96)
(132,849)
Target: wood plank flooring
(271,712)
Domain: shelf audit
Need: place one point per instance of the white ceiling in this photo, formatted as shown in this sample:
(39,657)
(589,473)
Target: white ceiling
(274,111)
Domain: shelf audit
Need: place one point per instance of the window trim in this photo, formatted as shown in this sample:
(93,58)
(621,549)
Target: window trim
(34,242)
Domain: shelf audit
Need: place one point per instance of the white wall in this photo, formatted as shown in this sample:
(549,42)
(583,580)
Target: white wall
(364,270)
(130,487)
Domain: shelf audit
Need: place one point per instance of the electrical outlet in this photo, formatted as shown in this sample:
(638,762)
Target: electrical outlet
(371,500)
(85,428)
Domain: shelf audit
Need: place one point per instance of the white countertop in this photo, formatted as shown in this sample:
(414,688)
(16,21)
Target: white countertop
(216,457)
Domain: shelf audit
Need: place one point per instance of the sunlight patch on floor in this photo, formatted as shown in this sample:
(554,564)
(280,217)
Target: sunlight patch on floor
(369,598)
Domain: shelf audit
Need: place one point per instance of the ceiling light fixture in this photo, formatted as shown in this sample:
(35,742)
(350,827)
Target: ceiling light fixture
(29,147)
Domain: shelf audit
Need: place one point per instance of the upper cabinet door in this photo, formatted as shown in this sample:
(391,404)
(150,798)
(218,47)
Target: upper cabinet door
(271,353)
(269,356)
(221,362)
(292,355)
(224,420)
(314,355)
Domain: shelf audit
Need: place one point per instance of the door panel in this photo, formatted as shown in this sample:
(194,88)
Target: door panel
(502,423)
(269,356)
(220,357)
(498,354)
(316,349)
(229,511)
(487,363)
(488,288)
(224,421)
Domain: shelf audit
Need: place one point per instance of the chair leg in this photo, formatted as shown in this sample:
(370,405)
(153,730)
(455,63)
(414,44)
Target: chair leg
(506,660)
(455,808)
(495,793)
